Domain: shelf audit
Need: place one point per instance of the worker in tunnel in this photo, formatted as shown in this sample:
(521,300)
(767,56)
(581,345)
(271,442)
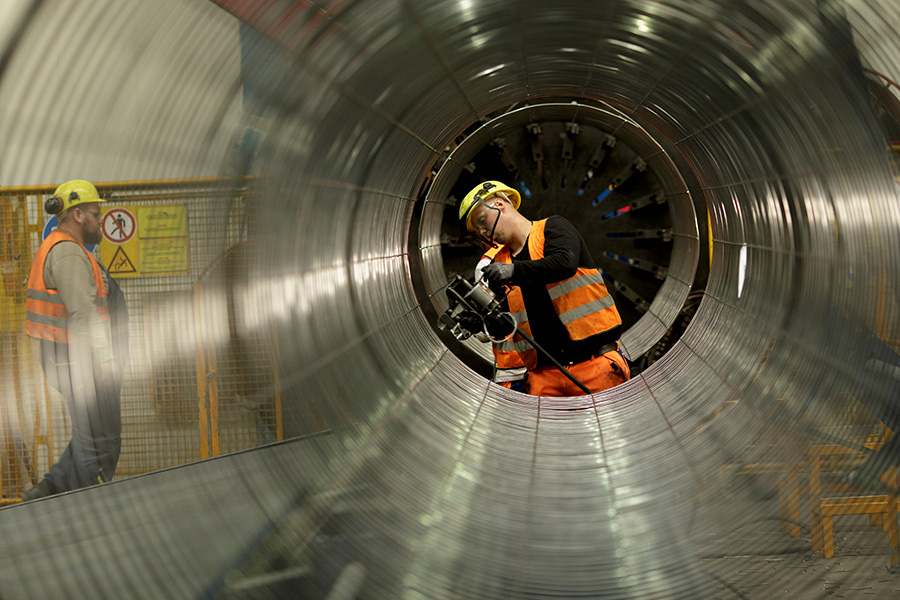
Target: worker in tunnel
(555,292)
(77,313)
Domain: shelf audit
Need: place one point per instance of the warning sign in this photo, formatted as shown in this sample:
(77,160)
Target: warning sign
(121,264)
(143,240)
(118,225)
(164,221)
(164,256)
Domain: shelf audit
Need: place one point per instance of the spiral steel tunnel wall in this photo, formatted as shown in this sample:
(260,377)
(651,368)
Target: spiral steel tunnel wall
(448,486)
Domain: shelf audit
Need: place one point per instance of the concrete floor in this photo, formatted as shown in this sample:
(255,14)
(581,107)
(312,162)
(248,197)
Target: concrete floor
(758,560)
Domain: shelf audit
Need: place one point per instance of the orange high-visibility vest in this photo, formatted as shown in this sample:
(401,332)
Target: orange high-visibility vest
(506,353)
(582,302)
(47,318)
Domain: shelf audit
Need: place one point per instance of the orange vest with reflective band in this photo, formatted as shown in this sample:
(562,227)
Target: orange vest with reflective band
(47,318)
(506,354)
(581,302)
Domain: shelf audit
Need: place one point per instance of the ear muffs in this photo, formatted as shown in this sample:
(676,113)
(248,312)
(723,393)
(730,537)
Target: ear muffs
(53,205)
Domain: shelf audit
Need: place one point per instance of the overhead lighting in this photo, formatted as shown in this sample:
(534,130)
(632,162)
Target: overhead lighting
(491,70)
(742,269)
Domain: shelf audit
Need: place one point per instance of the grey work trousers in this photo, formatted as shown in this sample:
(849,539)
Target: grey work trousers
(95,412)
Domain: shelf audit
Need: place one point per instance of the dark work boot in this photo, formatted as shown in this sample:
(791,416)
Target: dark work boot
(44,488)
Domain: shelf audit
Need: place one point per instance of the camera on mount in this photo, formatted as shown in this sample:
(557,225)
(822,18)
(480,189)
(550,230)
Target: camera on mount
(475,308)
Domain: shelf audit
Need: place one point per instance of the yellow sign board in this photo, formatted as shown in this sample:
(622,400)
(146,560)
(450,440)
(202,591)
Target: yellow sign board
(169,255)
(145,240)
(162,221)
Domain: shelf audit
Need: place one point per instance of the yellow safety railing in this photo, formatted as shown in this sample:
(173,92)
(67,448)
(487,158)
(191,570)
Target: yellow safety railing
(175,247)
(235,378)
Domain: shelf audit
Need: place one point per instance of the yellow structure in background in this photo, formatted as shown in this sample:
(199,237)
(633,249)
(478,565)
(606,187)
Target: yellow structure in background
(164,243)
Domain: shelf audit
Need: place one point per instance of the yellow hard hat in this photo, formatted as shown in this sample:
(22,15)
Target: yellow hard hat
(480,193)
(71,193)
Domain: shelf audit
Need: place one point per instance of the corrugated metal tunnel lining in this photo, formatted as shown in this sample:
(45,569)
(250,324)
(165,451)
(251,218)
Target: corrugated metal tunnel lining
(434,482)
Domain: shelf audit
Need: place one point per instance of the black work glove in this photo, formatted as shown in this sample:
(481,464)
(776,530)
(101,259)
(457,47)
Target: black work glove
(498,274)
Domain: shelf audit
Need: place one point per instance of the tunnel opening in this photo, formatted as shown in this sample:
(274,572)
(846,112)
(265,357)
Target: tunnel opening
(618,180)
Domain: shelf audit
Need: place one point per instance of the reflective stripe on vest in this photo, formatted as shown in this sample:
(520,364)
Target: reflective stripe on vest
(512,374)
(513,345)
(584,305)
(579,312)
(582,302)
(46,315)
(525,351)
(506,353)
(582,278)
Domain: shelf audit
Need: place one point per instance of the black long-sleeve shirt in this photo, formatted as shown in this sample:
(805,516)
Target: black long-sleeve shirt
(564,252)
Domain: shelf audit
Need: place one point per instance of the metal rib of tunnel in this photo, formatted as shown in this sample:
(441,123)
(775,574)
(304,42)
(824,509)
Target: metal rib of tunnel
(430,481)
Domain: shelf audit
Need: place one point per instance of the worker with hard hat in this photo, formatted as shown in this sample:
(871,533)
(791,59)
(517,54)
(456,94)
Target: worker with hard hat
(558,296)
(77,313)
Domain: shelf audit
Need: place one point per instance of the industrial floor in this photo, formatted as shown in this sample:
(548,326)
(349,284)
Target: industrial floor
(178,533)
(755,558)
(771,564)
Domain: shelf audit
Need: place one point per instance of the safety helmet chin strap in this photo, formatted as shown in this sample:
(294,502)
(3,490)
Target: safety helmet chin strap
(478,236)
(496,220)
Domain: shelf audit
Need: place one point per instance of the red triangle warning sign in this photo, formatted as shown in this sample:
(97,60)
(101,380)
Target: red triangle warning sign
(121,263)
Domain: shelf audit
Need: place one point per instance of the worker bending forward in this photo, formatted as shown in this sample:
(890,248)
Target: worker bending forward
(559,297)
(76,311)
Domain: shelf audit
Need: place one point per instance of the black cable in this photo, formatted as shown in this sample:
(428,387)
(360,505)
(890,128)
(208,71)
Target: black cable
(555,362)
(527,338)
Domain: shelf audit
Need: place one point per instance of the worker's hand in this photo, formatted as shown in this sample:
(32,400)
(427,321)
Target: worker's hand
(497,274)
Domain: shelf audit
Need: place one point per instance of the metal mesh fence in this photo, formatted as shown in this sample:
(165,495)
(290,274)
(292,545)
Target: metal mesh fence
(186,395)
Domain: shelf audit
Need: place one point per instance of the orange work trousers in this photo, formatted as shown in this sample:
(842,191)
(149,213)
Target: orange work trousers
(597,374)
